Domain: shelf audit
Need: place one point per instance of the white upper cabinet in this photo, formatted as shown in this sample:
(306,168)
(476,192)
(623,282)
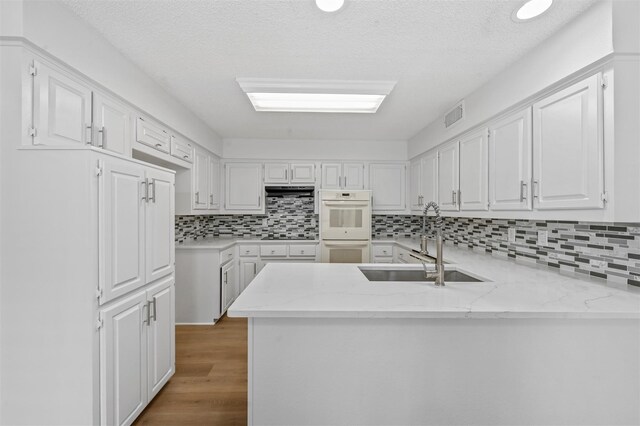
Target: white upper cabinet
(244,187)
(153,135)
(200,173)
(353,175)
(160,227)
(448,175)
(415,192)
(61,108)
(388,186)
(181,149)
(474,173)
(214,183)
(423,180)
(112,123)
(343,176)
(303,173)
(568,148)
(276,173)
(429,178)
(285,173)
(510,162)
(123,195)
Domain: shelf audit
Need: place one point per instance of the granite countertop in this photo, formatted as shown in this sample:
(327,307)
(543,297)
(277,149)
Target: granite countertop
(512,290)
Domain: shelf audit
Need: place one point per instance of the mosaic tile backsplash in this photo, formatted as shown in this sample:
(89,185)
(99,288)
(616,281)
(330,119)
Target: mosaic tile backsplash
(604,250)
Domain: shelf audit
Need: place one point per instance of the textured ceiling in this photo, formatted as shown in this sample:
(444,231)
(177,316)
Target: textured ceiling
(438,51)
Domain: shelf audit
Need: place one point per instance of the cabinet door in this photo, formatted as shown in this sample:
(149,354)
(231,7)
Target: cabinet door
(510,162)
(415,192)
(121,215)
(388,186)
(112,121)
(568,148)
(123,361)
(200,180)
(214,183)
(353,176)
(181,149)
(248,271)
(61,108)
(229,285)
(244,188)
(331,176)
(448,174)
(276,173)
(303,173)
(160,228)
(160,335)
(429,183)
(153,135)
(474,173)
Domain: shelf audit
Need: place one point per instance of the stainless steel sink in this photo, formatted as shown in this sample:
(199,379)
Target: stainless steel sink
(388,274)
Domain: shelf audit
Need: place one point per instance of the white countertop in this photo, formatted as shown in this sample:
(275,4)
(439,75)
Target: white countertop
(515,291)
(221,243)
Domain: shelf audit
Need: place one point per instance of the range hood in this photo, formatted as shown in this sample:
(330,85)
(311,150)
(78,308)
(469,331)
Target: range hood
(289,191)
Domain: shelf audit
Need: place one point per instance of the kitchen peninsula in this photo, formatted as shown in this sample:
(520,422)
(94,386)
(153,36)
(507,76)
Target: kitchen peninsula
(526,346)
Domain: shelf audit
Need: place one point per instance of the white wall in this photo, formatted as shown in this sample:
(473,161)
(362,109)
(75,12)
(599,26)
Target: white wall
(315,149)
(579,44)
(57,30)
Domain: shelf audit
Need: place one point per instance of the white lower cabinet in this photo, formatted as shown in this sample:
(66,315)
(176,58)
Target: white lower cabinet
(229,284)
(248,271)
(137,347)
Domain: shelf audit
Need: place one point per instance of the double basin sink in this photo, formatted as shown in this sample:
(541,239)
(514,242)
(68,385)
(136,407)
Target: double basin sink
(380,273)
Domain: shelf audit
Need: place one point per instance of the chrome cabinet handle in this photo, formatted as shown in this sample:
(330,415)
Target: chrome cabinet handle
(148,320)
(345,182)
(535,189)
(453,197)
(226,281)
(523,187)
(255,268)
(145,183)
(197,197)
(153,185)
(459,199)
(211,198)
(87,134)
(158,145)
(101,134)
(286,174)
(259,201)
(155,309)
(185,157)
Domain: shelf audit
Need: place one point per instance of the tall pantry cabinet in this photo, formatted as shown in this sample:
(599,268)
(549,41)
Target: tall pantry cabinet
(93,261)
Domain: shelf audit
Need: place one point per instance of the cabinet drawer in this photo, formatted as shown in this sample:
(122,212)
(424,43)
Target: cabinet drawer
(302,250)
(248,250)
(226,255)
(382,251)
(152,134)
(273,250)
(181,149)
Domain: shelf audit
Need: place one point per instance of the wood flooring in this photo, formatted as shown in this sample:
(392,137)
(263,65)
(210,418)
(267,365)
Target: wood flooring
(210,383)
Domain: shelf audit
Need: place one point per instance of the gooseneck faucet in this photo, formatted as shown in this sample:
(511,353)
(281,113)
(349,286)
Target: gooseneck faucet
(439,272)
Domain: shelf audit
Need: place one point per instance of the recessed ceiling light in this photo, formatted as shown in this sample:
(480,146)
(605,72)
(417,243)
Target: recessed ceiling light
(337,96)
(531,9)
(329,5)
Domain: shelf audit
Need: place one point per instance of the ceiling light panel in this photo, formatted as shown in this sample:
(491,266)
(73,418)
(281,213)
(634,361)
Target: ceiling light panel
(532,9)
(329,96)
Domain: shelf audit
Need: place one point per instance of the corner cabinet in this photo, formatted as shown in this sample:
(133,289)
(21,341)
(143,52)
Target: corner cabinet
(244,188)
(568,151)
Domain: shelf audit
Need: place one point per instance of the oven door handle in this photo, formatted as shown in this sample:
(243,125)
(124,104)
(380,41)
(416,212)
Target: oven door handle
(345,203)
(346,244)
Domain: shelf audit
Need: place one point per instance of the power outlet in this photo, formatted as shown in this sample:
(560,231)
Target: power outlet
(511,235)
(543,238)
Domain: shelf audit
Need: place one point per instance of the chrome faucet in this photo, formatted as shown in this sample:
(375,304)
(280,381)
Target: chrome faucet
(439,272)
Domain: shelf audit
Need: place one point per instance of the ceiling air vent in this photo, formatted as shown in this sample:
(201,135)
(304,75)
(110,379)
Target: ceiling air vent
(454,115)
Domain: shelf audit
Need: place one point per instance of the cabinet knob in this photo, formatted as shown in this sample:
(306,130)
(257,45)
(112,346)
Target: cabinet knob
(302,251)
